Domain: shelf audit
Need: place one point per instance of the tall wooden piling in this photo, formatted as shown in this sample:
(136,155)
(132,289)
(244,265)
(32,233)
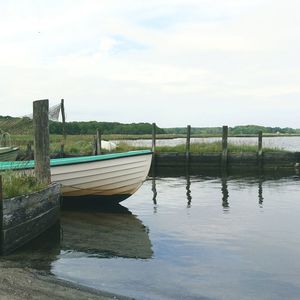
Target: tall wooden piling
(1,212)
(153,137)
(1,194)
(29,153)
(224,146)
(260,149)
(62,150)
(188,142)
(63,115)
(41,140)
(98,141)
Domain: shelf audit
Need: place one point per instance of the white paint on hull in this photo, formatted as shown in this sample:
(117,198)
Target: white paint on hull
(105,177)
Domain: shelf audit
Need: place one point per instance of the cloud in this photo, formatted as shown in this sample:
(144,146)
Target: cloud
(127,54)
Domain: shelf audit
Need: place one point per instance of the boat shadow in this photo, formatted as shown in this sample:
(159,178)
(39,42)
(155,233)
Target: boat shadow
(104,230)
(99,230)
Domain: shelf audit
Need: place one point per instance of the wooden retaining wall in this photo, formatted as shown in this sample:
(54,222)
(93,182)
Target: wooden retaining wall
(26,217)
(246,161)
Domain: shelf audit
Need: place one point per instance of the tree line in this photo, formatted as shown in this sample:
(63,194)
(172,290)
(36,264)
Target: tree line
(24,126)
(105,127)
(236,130)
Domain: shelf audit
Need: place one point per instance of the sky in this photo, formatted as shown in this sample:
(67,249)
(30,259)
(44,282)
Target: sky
(172,62)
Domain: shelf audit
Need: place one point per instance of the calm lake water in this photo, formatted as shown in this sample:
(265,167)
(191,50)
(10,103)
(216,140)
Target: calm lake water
(290,143)
(186,237)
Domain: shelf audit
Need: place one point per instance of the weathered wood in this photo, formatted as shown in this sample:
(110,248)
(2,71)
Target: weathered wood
(94,145)
(1,211)
(62,150)
(224,146)
(26,217)
(188,142)
(153,137)
(98,141)
(63,116)
(260,148)
(29,151)
(236,161)
(1,192)
(41,140)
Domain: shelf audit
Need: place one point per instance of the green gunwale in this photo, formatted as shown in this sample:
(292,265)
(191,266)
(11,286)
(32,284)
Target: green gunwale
(29,164)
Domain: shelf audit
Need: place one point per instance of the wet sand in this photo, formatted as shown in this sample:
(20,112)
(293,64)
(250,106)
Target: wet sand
(25,283)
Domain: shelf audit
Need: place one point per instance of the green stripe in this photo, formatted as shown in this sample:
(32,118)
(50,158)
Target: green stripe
(29,164)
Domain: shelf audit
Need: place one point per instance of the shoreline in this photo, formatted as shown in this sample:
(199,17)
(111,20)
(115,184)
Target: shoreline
(24,283)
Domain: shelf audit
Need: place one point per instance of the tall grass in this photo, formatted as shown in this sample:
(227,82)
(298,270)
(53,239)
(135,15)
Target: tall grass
(83,145)
(214,147)
(16,183)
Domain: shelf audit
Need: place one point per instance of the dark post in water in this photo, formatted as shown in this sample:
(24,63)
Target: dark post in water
(224,146)
(99,147)
(153,137)
(41,140)
(260,151)
(188,142)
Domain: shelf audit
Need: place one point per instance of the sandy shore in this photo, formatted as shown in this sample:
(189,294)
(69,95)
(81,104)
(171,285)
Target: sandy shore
(19,283)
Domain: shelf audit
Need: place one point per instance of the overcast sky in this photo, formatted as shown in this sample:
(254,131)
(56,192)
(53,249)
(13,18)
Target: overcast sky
(173,62)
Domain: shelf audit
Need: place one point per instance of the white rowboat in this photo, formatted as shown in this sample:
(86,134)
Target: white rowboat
(110,177)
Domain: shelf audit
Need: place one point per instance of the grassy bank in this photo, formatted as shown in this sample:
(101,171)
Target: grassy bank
(16,184)
(83,145)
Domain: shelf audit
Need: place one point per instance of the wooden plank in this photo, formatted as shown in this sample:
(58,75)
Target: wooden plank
(99,146)
(25,217)
(260,148)
(63,116)
(225,146)
(153,137)
(188,142)
(41,140)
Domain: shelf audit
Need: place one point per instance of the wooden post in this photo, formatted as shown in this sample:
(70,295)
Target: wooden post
(94,146)
(63,115)
(62,150)
(224,146)
(1,212)
(153,137)
(99,148)
(1,194)
(188,142)
(41,140)
(29,151)
(260,149)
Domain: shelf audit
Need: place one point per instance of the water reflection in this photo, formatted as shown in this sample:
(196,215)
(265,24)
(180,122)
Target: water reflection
(105,232)
(260,192)
(188,191)
(223,177)
(38,254)
(225,193)
(154,191)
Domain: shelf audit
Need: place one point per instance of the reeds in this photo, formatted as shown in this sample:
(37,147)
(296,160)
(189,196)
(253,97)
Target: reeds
(15,183)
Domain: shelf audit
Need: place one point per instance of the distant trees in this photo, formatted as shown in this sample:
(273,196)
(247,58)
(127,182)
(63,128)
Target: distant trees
(106,127)
(236,130)
(24,126)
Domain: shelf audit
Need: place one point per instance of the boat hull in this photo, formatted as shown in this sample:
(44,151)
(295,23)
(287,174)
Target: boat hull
(8,153)
(112,177)
(115,178)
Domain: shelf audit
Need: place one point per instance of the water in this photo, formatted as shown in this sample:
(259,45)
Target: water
(186,237)
(290,143)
